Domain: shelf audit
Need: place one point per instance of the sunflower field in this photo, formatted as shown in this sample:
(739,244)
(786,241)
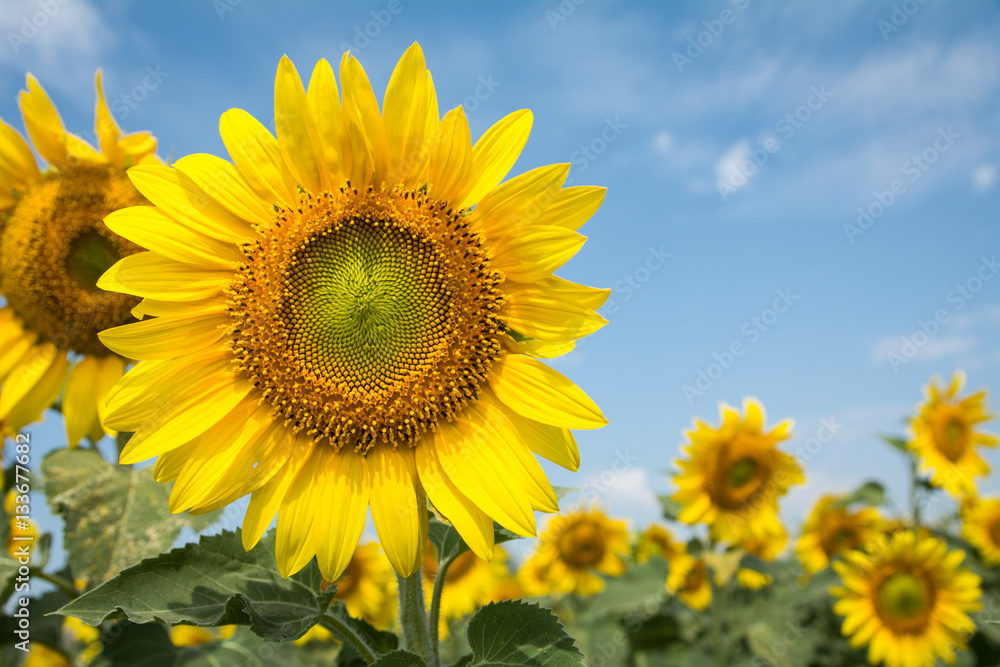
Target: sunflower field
(308,395)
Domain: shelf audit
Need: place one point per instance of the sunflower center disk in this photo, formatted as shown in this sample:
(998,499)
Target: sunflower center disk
(56,246)
(366,317)
(953,439)
(742,472)
(582,545)
(905,600)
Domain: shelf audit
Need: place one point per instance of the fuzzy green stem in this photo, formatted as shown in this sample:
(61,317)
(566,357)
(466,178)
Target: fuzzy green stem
(434,618)
(348,635)
(62,584)
(413,619)
(914,492)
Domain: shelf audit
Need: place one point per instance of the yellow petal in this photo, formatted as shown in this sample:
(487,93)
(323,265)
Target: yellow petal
(153,276)
(581,295)
(80,402)
(361,109)
(451,151)
(475,527)
(43,124)
(513,204)
(532,253)
(533,312)
(221,181)
(155,230)
(17,163)
(295,546)
(257,157)
(163,337)
(398,507)
(571,207)
(26,375)
(324,100)
(345,486)
(109,371)
(298,137)
(533,390)
(180,198)
(216,305)
(551,442)
(540,349)
(41,395)
(266,500)
(108,132)
(495,153)
(14,351)
(405,115)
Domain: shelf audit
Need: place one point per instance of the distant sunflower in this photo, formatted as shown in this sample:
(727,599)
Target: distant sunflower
(40,655)
(945,436)
(766,548)
(907,598)
(688,579)
(192,635)
(350,316)
(54,246)
(470,583)
(368,586)
(734,475)
(752,579)
(574,548)
(831,530)
(981,527)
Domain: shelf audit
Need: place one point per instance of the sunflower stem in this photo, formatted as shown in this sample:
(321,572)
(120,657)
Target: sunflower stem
(413,619)
(62,584)
(348,635)
(914,492)
(435,613)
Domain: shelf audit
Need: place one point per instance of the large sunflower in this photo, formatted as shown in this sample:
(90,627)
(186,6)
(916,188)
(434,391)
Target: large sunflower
(734,475)
(906,598)
(574,549)
(54,248)
(832,529)
(981,527)
(351,316)
(945,435)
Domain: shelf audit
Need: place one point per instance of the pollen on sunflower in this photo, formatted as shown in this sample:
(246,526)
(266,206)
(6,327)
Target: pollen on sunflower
(355,317)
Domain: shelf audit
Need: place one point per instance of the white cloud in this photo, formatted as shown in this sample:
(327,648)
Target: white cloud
(931,350)
(729,169)
(984,177)
(663,142)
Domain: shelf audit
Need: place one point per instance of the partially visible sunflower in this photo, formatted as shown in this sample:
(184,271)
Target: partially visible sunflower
(831,530)
(688,579)
(470,583)
(657,541)
(734,475)
(351,315)
(945,436)
(981,527)
(752,579)
(908,599)
(575,547)
(41,655)
(766,548)
(54,246)
(193,635)
(368,586)
(85,637)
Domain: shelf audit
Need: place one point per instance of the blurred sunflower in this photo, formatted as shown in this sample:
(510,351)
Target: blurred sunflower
(688,579)
(368,586)
(470,583)
(85,637)
(734,475)
(766,548)
(657,541)
(945,436)
(56,248)
(193,635)
(981,527)
(336,325)
(40,655)
(906,598)
(832,529)
(573,549)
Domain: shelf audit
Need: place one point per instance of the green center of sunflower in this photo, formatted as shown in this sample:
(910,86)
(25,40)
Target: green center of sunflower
(742,472)
(366,317)
(952,441)
(904,597)
(582,544)
(56,247)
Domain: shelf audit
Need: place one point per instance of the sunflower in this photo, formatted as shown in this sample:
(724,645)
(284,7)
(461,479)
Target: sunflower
(470,583)
(349,315)
(981,527)
(832,529)
(574,548)
(908,599)
(657,541)
(368,586)
(945,436)
(192,635)
(40,655)
(734,475)
(688,579)
(56,247)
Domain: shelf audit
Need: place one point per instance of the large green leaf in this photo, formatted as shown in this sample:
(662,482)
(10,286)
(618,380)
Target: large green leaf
(213,582)
(508,633)
(114,515)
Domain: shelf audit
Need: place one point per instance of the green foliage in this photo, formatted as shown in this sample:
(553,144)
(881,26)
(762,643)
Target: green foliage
(399,659)
(870,493)
(449,543)
(671,508)
(213,582)
(517,633)
(115,516)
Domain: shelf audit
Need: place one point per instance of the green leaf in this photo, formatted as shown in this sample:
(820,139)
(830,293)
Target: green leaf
(400,659)
(642,587)
(901,444)
(213,582)
(449,543)
(130,645)
(671,508)
(870,493)
(115,515)
(379,640)
(517,633)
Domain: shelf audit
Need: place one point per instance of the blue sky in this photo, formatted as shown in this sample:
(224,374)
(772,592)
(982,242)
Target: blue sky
(803,182)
